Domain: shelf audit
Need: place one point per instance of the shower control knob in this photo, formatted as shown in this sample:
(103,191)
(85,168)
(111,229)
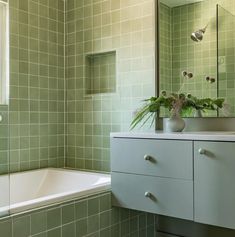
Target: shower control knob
(147,194)
(187,75)
(190,75)
(184,73)
(202,151)
(147,157)
(212,80)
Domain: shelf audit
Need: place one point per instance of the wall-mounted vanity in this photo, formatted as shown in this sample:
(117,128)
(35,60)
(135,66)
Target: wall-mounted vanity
(184,175)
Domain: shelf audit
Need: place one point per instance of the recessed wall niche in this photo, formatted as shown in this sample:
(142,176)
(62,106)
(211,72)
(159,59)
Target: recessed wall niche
(101,72)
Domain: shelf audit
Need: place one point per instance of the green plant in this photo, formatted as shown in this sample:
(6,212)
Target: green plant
(178,104)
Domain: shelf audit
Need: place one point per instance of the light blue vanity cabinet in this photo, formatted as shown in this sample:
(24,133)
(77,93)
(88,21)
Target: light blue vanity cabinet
(153,175)
(214,180)
(192,178)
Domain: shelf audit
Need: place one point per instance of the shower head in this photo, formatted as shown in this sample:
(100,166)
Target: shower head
(197,36)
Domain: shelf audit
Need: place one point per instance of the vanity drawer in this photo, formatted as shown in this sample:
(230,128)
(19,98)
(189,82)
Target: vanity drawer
(163,158)
(164,196)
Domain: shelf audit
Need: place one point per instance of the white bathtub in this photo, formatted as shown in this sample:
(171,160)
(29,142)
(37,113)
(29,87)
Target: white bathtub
(37,188)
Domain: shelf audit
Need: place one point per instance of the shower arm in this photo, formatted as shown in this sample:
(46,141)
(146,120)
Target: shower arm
(204,29)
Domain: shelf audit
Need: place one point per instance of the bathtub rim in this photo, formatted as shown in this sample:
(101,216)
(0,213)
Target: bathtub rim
(71,196)
(68,169)
(54,205)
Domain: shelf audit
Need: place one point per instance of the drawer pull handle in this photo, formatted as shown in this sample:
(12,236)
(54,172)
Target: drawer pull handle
(202,151)
(147,157)
(147,194)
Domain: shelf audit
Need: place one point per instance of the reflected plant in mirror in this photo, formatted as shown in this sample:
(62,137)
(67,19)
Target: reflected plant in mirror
(179,105)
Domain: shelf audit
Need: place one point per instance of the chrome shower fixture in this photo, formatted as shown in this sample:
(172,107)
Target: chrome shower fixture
(197,36)
(187,75)
(210,79)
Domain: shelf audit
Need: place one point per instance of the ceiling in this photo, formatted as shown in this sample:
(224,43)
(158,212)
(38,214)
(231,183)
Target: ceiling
(175,3)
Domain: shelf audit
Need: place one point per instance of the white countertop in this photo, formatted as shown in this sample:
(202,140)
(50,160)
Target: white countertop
(199,136)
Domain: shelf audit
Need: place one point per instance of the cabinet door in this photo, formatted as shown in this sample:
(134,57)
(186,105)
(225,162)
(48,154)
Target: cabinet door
(164,196)
(214,177)
(163,158)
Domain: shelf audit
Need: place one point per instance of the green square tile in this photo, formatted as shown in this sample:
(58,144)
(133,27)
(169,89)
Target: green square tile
(23,5)
(6,228)
(38,222)
(115,230)
(105,232)
(105,202)
(93,223)
(81,227)
(68,230)
(81,208)
(105,219)
(53,218)
(93,206)
(21,226)
(68,213)
(125,228)
(54,233)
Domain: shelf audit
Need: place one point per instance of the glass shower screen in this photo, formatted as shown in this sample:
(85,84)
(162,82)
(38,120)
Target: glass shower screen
(4,112)
(226,58)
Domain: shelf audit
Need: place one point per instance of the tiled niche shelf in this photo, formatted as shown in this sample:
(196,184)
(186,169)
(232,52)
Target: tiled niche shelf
(101,72)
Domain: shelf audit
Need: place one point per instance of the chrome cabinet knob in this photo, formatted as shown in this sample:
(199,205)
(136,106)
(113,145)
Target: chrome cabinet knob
(147,157)
(147,194)
(202,151)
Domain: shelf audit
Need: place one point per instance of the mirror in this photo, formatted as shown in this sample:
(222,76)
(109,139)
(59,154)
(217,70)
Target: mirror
(196,50)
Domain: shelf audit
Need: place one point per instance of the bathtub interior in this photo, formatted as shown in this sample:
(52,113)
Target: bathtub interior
(33,189)
(4,195)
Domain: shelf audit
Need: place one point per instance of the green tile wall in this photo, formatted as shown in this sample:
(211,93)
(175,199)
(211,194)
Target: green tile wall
(89,217)
(165,48)
(96,27)
(198,58)
(37,106)
(38,122)
(4,140)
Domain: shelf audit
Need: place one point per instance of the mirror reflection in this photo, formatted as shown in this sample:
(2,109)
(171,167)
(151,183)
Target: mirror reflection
(196,53)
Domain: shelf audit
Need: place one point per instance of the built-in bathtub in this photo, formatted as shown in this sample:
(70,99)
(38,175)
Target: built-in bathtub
(38,188)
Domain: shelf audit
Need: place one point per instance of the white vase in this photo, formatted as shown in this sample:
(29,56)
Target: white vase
(198,114)
(174,124)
